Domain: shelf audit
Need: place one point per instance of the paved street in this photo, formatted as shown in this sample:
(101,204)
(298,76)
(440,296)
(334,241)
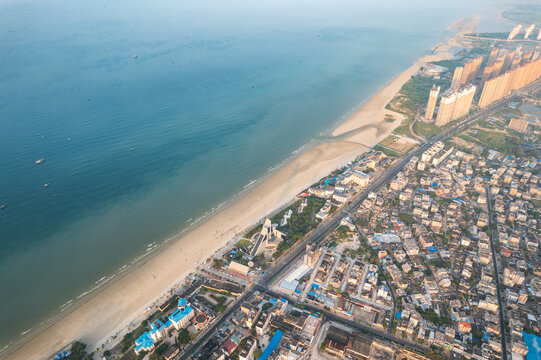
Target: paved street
(319,234)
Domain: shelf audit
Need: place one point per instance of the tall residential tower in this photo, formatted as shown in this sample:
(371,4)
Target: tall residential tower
(456,77)
(432,100)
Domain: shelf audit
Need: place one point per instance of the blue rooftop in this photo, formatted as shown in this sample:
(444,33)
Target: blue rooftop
(398,314)
(62,355)
(432,249)
(144,342)
(182,302)
(179,314)
(272,345)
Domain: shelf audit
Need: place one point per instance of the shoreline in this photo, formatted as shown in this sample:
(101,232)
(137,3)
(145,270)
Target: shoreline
(121,302)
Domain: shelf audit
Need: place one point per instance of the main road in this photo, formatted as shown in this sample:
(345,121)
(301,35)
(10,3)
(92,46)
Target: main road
(493,231)
(318,235)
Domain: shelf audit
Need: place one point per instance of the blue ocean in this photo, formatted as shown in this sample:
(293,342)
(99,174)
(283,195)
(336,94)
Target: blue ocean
(150,114)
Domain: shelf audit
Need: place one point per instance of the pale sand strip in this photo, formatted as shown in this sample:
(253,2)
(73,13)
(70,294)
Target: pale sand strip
(374,110)
(113,308)
(122,303)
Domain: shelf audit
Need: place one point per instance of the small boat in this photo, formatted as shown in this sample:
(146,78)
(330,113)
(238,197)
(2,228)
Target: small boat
(131,149)
(135,56)
(45,185)
(3,206)
(69,139)
(39,161)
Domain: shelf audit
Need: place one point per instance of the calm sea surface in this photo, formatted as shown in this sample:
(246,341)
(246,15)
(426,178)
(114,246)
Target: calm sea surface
(135,149)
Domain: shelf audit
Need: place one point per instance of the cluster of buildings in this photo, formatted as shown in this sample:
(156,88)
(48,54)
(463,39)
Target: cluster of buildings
(517,77)
(504,72)
(421,260)
(527,32)
(341,341)
(338,189)
(333,279)
(432,235)
(179,319)
(263,328)
(514,189)
(192,312)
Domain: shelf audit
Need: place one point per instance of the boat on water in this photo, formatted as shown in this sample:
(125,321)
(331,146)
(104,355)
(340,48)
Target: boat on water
(3,206)
(45,185)
(39,161)
(135,56)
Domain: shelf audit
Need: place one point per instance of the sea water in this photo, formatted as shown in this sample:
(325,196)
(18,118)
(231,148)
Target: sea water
(150,114)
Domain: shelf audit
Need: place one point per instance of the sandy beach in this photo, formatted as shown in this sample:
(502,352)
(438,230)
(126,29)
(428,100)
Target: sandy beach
(123,302)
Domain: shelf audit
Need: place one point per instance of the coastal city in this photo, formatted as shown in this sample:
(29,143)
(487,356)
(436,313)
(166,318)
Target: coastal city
(424,247)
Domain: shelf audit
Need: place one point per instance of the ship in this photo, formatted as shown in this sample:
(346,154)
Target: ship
(39,161)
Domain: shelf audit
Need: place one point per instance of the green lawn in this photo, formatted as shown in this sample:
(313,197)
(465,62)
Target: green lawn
(245,243)
(387,151)
(507,142)
(498,35)
(417,89)
(426,130)
(404,128)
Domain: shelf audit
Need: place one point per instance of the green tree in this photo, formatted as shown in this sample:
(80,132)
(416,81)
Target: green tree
(406,218)
(342,231)
(217,263)
(78,351)
(184,337)
(435,355)
(477,333)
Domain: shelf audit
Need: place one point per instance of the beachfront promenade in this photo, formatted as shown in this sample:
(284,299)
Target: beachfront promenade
(264,281)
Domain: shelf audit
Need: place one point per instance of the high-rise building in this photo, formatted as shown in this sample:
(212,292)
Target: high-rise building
(491,71)
(535,55)
(515,63)
(493,56)
(464,98)
(514,32)
(455,104)
(456,77)
(498,87)
(527,57)
(471,68)
(432,100)
(445,111)
(528,31)
(518,125)
(508,61)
